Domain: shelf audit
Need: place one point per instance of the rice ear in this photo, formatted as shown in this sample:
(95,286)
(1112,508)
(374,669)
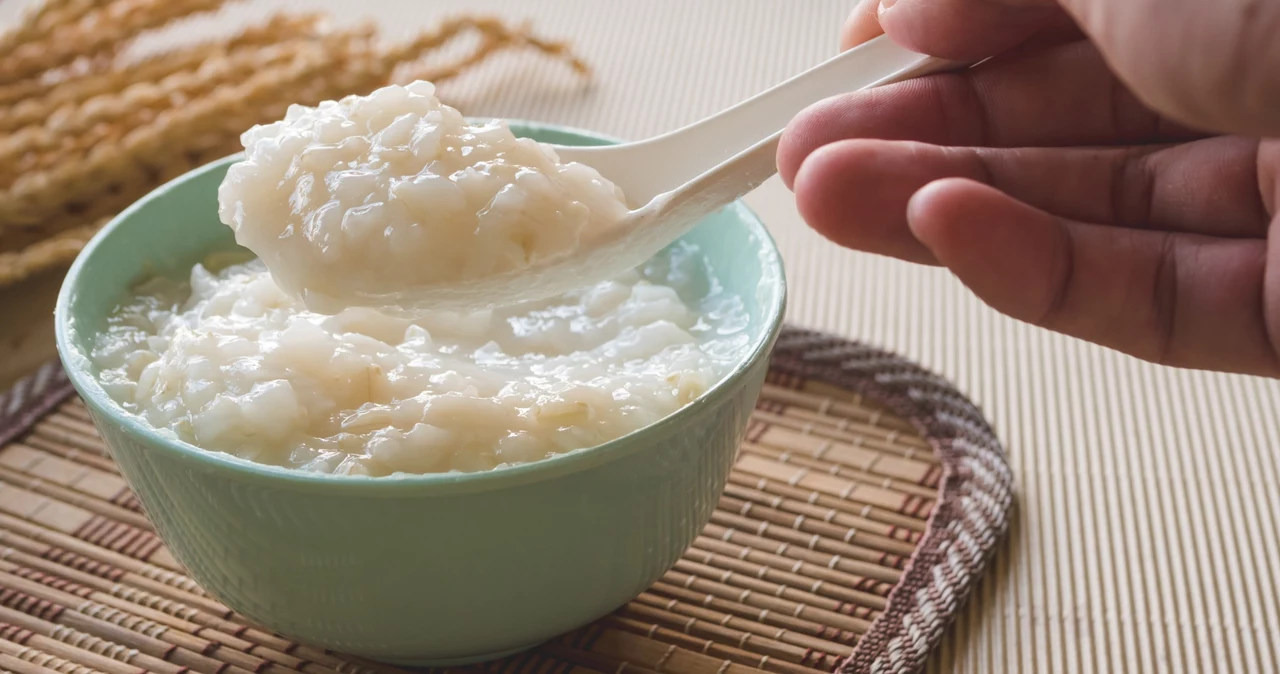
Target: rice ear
(56,250)
(103,30)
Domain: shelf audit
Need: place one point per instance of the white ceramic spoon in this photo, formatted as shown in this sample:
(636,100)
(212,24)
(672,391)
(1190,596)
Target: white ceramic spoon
(673,180)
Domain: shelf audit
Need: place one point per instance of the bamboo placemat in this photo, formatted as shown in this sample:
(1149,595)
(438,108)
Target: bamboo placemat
(863,504)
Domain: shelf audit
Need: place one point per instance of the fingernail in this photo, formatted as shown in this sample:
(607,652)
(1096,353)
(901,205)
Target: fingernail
(885,5)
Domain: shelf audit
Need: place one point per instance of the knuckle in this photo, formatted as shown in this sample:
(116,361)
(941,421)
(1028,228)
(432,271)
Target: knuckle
(1133,188)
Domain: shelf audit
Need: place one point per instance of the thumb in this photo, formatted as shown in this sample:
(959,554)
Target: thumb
(961,30)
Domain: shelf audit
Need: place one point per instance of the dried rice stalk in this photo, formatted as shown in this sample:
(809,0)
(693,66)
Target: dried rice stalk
(104,29)
(56,250)
(36,196)
(76,214)
(495,35)
(40,21)
(34,98)
(79,146)
(97,212)
(132,106)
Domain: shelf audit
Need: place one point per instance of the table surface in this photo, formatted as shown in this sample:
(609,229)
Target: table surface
(1146,528)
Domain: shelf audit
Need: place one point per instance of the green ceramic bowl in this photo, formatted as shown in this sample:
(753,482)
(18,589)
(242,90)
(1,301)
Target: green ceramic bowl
(431,569)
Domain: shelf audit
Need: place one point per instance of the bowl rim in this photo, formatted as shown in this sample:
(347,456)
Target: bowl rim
(77,366)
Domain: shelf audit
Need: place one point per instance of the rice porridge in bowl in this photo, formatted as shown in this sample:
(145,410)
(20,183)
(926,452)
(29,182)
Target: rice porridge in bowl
(281,360)
(229,362)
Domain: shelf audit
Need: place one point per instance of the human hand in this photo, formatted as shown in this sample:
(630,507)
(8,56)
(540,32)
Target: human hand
(1112,173)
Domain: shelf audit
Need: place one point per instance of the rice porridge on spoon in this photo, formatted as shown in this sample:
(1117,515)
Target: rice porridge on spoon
(358,202)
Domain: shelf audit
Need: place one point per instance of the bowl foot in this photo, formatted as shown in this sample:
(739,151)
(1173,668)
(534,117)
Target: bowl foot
(454,662)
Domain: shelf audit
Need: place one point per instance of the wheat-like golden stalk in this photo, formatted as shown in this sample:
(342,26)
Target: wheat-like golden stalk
(110,114)
(33,99)
(49,252)
(495,35)
(41,20)
(96,120)
(36,196)
(106,28)
(78,143)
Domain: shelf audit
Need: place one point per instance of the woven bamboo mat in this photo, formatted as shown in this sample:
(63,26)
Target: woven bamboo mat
(864,501)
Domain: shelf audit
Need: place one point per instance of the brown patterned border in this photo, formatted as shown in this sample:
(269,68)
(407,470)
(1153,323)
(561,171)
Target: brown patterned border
(31,398)
(972,511)
(973,506)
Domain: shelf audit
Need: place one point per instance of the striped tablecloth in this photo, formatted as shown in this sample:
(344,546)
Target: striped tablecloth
(1146,534)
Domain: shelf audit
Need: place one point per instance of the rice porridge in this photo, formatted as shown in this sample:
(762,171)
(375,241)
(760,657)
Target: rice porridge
(357,202)
(294,359)
(230,362)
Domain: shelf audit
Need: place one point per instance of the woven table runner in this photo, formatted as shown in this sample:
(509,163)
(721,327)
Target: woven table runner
(862,508)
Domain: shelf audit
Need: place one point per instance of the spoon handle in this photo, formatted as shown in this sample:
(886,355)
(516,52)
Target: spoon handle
(877,62)
(747,133)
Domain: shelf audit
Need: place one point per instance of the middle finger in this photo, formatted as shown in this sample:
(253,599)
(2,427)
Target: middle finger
(856,192)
